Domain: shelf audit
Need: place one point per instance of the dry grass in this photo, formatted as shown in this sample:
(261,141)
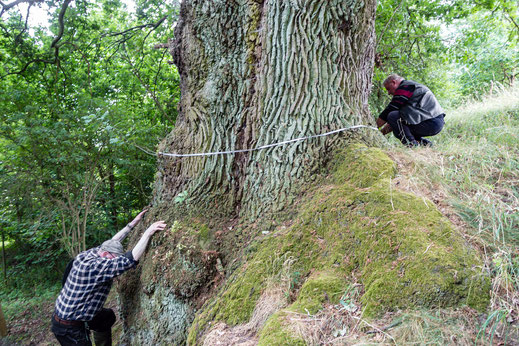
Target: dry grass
(472,176)
(270,301)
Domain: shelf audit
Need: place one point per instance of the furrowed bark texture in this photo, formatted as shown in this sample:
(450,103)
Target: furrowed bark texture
(252,73)
(255,73)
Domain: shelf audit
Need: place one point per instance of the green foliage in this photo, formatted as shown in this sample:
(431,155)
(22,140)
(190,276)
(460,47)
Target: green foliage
(484,54)
(77,120)
(458,48)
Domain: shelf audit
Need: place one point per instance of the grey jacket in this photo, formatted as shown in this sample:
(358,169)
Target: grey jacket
(421,106)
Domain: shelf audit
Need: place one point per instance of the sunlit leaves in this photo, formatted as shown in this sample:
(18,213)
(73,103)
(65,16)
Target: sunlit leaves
(80,119)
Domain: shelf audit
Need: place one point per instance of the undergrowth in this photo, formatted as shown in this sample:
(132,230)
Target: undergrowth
(473,173)
(29,285)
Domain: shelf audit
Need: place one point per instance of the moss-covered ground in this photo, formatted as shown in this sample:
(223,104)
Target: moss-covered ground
(355,227)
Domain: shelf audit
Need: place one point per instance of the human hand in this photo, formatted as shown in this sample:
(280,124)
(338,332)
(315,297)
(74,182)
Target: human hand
(386,129)
(156,226)
(138,218)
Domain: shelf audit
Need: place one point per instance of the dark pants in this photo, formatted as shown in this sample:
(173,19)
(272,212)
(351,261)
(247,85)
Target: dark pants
(412,134)
(101,325)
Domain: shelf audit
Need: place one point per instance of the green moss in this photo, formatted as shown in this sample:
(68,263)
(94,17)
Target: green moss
(319,288)
(406,254)
(236,301)
(180,258)
(362,166)
(276,332)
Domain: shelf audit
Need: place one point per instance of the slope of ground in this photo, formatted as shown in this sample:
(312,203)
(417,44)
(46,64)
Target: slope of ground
(472,176)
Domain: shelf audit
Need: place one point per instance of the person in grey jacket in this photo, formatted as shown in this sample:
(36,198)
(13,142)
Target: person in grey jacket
(412,114)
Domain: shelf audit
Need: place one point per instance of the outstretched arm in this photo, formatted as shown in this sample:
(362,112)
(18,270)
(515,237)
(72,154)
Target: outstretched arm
(124,232)
(138,250)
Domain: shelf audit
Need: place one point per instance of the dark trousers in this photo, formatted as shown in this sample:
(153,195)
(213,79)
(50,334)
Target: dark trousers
(101,326)
(410,134)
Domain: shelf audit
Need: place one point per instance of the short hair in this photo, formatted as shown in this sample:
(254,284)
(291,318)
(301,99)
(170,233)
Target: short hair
(113,246)
(392,77)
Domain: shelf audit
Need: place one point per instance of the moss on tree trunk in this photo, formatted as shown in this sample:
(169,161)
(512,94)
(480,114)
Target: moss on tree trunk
(258,72)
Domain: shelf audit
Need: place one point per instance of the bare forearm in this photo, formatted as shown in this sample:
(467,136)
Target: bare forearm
(122,233)
(140,247)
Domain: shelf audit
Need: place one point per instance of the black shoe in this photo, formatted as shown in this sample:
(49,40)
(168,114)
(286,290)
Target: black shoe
(412,144)
(426,143)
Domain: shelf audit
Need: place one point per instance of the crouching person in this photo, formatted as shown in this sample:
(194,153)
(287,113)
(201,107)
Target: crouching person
(87,282)
(413,113)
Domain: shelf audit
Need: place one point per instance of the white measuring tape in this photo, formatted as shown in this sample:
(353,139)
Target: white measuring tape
(268,145)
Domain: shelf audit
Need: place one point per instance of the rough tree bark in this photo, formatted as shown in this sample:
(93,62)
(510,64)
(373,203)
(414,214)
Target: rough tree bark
(252,73)
(259,72)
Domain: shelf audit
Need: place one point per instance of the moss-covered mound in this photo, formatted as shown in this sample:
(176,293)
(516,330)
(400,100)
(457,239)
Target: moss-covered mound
(399,246)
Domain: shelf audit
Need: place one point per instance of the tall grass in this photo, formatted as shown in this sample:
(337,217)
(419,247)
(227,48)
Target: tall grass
(473,170)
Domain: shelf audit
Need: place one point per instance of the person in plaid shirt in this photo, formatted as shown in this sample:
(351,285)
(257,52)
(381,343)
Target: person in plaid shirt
(87,282)
(412,114)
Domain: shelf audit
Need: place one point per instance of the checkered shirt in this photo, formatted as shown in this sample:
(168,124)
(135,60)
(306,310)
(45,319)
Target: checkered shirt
(89,283)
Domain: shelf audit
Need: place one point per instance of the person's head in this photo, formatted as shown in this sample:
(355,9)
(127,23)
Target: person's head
(111,249)
(392,82)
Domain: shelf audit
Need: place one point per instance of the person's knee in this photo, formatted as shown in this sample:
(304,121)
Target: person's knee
(103,320)
(393,117)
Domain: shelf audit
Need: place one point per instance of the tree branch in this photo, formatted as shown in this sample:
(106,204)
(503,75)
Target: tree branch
(509,17)
(7,7)
(389,21)
(54,43)
(27,65)
(61,25)
(136,73)
(25,26)
(138,27)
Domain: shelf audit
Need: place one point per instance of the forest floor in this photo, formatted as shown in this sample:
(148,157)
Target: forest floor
(32,327)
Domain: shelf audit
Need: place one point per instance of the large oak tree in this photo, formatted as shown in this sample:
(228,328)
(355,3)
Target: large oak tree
(260,72)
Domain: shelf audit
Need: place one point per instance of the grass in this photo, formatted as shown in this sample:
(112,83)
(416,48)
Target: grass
(28,315)
(472,174)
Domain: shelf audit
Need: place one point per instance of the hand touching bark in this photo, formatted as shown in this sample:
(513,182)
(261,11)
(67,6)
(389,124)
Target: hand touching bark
(138,250)
(137,219)
(157,226)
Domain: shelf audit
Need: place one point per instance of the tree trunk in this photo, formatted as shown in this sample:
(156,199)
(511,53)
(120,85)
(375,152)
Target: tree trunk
(255,73)
(113,197)
(3,324)
(252,73)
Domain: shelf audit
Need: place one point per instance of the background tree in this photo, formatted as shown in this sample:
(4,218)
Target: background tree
(81,105)
(457,48)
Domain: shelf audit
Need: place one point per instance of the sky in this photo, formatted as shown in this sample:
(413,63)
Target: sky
(39,15)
